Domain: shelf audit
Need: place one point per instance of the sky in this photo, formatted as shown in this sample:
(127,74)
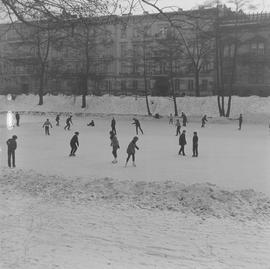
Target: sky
(262,5)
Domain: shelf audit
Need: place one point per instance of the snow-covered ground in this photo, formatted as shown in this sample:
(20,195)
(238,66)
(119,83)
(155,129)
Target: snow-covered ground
(254,108)
(169,212)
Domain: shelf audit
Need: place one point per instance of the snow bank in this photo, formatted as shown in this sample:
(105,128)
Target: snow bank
(193,106)
(204,200)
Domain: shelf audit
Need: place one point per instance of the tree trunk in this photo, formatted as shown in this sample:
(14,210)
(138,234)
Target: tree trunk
(174,97)
(84,92)
(197,83)
(41,86)
(229,106)
(175,106)
(146,97)
(219,106)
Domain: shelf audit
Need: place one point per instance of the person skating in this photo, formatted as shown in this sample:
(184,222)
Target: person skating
(115,145)
(113,123)
(91,123)
(57,119)
(47,124)
(195,141)
(182,143)
(17,116)
(137,125)
(178,127)
(240,121)
(74,144)
(131,150)
(12,145)
(68,122)
(171,119)
(184,117)
(204,120)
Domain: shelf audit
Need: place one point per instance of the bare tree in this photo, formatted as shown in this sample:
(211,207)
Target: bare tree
(142,57)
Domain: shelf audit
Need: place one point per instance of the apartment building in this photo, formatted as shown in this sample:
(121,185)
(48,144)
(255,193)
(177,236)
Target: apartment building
(138,54)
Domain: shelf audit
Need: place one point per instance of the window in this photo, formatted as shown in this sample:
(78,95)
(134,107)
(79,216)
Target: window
(123,67)
(123,48)
(257,47)
(177,85)
(123,31)
(135,84)
(190,84)
(204,84)
(256,74)
(228,50)
(123,86)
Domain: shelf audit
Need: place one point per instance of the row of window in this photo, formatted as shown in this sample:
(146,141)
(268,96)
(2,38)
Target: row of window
(255,48)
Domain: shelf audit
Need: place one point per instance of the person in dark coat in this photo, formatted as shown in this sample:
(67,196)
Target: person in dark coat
(195,141)
(240,121)
(47,124)
(92,123)
(113,122)
(131,150)
(184,116)
(178,127)
(57,119)
(204,120)
(68,122)
(182,143)
(17,116)
(115,145)
(12,145)
(74,144)
(137,125)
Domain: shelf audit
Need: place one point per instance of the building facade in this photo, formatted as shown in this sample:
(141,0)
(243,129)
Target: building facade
(138,55)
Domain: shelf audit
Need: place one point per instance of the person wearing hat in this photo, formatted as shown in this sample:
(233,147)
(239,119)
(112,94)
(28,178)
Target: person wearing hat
(182,143)
(12,145)
(74,144)
(131,150)
(195,144)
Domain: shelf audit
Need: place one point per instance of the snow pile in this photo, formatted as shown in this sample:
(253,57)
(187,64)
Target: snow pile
(193,106)
(205,200)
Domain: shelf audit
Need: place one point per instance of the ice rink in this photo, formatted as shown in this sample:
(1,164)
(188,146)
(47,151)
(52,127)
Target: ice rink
(230,158)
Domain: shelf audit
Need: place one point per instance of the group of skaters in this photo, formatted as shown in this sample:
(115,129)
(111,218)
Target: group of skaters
(132,147)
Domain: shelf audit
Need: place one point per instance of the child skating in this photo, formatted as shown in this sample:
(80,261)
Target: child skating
(68,122)
(184,117)
(113,123)
(171,119)
(47,124)
(137,125)
(57,119)
(204,120)
(74,144)
(131,150)
(178,127)
(115,145)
